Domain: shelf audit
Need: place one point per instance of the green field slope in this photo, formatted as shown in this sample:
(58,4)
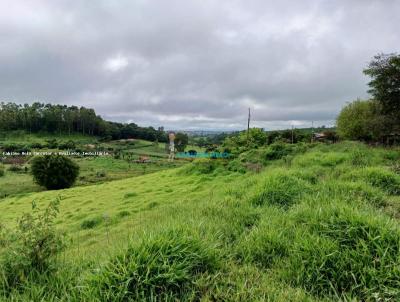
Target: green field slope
(322,225)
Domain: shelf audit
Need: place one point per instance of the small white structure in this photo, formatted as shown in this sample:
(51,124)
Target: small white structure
(171,155)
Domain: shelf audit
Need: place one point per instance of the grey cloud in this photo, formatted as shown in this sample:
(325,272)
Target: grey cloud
(195,64)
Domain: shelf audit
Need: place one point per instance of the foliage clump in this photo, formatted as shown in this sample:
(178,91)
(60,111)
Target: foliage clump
(1,170)
(236,165)
(278,151)
(161,268)
(361,120)
(54,171)
(68,145)
(32,248)
(16,168)
(203,166)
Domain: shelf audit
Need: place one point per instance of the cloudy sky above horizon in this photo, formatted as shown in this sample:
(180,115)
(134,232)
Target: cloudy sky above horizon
(195,64)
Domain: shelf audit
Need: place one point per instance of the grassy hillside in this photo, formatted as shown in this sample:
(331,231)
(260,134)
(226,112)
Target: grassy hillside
(118,164)
(317,226)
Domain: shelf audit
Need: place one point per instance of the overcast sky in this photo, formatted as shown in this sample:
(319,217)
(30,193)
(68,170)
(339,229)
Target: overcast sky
(195,64)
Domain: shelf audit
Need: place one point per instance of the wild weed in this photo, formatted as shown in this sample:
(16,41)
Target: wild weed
(34,247)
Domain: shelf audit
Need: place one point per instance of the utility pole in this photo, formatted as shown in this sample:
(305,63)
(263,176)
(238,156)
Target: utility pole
(312,131)
(248,127)
(292,135)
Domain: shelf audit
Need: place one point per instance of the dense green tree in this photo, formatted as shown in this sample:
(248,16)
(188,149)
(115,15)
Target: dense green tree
(54,171)
(362,120)
(384,71)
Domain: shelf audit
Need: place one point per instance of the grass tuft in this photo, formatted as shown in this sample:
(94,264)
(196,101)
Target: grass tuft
(279,189)
(160,268)
(346,254)
(91,223)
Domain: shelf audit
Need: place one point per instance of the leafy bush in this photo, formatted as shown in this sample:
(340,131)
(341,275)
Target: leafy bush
(393,155)
(15,168)
(279,189)
(101,174)
(161,268)
(1,170)
(37,145)
(361,120)
(16,148)
(54,171)
(52,143)
(202,166)
(69,145)
(396,168)
(278,150)
(236,166)
(33,247)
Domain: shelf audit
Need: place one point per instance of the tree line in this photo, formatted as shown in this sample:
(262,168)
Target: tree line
(40,117)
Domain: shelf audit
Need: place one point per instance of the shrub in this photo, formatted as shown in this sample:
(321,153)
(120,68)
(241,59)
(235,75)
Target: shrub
(33,247)
(161,268)
(101,174)
(279,189)
(361,120)
(52,143)
(15,168)
(16,148)
(37,145)
(278,150)
(396,168)
(69,145)
(202,166)
(54,171)
(1,170)
(391,155)
(236,166)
